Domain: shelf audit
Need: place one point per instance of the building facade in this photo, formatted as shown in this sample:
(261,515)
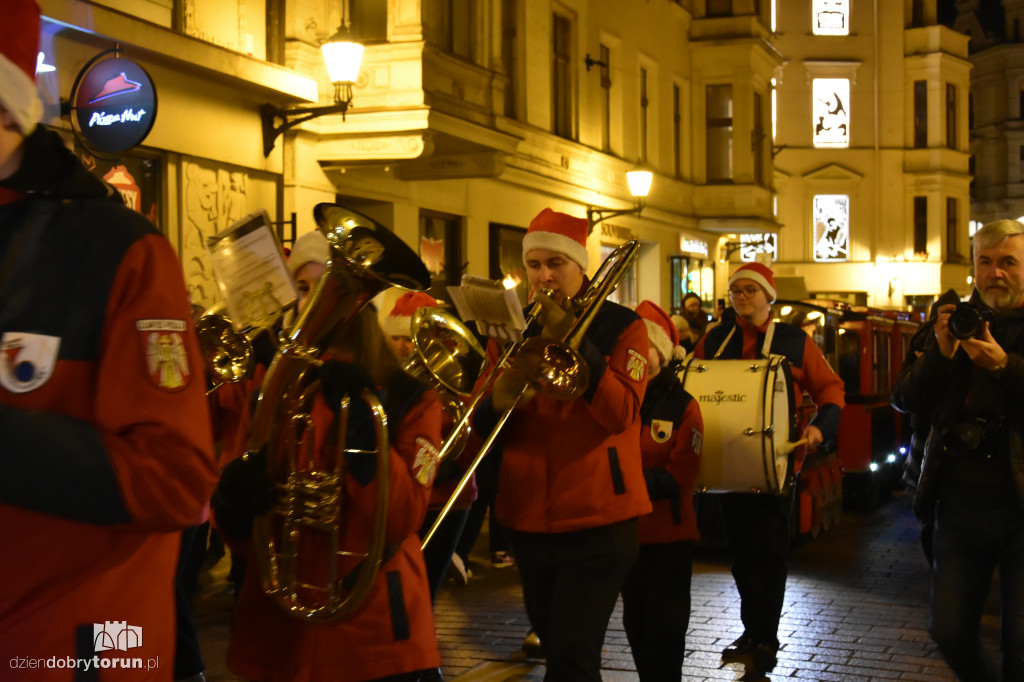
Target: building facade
(470,116)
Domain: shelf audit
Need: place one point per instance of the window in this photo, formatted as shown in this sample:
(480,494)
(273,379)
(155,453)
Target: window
(830,112)
(643,114)
(753,244)
(917,13)
(831,228)
(719,8)
(951,117)
(561,77)
(455,22)
(606,98)
(757,139)
(441,251)
(952,221)
(831,17)
(677,131)
(920,225)
(920,114)
(369,20)
(506,259)
(509,32)
(686,277)
(625,294)
(718,112)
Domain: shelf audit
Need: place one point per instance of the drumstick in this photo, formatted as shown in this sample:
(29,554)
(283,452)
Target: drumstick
(786,448)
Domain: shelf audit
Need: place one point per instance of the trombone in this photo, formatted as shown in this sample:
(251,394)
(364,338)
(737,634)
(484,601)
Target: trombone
(552,367)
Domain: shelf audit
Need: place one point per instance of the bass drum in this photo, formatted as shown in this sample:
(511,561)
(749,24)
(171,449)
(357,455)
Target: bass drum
(749,413)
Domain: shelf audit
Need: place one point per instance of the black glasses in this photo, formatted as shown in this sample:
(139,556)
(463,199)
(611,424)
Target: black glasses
(746,292)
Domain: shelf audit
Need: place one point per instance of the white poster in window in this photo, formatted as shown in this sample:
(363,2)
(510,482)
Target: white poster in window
(831,17)
(831,227)
(831,112)
(753,244)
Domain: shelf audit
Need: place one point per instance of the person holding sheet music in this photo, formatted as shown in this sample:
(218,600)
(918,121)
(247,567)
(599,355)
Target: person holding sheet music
(571,483)
(758,526)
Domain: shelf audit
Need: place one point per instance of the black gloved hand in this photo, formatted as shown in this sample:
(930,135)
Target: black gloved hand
(244,492)
(338,379)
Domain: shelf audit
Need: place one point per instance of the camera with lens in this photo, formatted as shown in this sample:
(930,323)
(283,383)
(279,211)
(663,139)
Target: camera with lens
(966,320)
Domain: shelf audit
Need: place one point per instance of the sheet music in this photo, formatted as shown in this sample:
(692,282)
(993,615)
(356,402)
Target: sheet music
(251,272)
(495,309)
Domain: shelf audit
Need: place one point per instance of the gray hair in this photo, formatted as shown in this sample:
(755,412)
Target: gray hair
(996,231)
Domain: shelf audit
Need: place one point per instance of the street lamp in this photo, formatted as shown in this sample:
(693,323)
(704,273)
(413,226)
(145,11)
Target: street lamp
(343,55)
(639,179)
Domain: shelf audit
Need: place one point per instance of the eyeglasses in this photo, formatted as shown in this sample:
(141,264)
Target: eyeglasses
(746,292)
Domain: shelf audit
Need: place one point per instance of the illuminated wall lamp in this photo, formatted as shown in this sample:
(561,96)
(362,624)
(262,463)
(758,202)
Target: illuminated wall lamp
(343,56)
(639,179)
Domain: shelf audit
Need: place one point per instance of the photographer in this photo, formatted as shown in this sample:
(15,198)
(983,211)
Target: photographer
(971,381)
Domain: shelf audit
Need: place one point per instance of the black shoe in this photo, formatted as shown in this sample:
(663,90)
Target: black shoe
(763,658)
(741,647)
(432,675)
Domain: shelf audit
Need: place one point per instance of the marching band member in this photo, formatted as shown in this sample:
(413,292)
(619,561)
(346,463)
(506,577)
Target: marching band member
(571,484)
(392,636)
(656,594)
(107,450)
(438,552)
(758,525)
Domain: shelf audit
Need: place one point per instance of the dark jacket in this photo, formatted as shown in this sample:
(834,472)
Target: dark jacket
(970,409)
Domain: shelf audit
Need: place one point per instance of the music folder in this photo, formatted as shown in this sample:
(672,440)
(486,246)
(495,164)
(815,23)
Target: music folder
(251,272)
(495,309)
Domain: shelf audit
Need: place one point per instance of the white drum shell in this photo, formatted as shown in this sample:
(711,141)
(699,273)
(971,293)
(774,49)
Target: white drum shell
(748,409)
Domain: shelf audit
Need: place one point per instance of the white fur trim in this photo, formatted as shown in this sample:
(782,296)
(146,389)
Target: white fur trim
(18,95)
(758,278)
(397,325)
(660,340)
(553,241)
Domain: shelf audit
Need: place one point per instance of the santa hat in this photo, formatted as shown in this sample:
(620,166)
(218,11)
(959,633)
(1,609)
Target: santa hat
(19,45)
(760,274)
(399,320)
(660,330)
(311,247)
(559,232)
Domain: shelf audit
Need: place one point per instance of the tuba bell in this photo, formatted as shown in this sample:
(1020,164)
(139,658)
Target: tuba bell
(365,259)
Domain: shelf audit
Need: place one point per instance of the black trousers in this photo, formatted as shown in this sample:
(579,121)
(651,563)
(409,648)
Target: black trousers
(656,609)
(571,582)
(758,533)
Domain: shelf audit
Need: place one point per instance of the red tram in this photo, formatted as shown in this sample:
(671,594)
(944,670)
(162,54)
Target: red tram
(866,347)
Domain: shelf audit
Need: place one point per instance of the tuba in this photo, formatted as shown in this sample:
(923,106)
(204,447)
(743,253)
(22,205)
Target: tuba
(449,358)
(365,259)
(229,354)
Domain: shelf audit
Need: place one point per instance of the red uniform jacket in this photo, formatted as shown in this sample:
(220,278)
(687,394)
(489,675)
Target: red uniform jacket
(671,439)
(107,447)
(394,631)
(570,465)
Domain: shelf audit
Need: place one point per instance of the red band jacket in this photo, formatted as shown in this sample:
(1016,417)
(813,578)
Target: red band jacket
(571,465)
(107,443)
(671,440)
(393,632)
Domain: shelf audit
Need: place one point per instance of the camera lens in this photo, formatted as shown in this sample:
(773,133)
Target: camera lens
(965,321)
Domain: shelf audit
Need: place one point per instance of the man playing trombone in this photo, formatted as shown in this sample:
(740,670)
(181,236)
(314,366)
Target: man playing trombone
(571,484)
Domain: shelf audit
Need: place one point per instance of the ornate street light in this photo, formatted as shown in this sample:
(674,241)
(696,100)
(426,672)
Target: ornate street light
(639,180)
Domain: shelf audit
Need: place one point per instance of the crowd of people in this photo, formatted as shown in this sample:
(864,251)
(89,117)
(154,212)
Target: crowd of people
(116,454)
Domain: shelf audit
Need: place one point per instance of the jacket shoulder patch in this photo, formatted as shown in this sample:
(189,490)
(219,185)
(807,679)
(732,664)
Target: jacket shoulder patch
(163,346)
(27,360)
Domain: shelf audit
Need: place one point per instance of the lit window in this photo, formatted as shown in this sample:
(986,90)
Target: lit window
(753,244)
(831,17)
(831,112)
(831,227)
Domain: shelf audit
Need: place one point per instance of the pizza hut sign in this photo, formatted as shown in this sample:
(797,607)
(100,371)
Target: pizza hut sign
(115,105)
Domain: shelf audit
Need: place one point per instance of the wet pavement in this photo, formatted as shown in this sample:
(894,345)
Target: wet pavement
(856,610)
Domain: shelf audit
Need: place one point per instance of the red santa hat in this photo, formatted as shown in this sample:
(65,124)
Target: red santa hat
(760,274)
(311,247)
(660,330)
(399,320)
(19,45)
(559,232)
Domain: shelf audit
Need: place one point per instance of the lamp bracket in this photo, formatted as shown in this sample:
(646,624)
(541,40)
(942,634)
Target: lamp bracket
(596,215)
(590,61)
(291,117)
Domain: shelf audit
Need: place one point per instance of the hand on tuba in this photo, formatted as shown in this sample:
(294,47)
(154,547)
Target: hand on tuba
(509,388)
(244,492)
(556,320)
